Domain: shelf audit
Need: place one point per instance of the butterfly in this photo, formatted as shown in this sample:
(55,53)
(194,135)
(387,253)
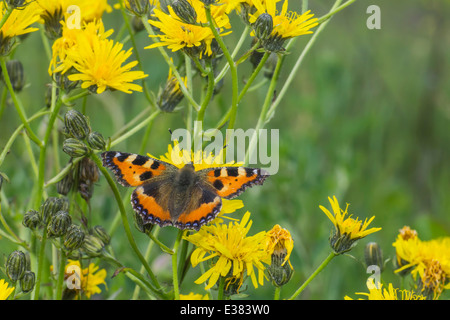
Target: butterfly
(181,197)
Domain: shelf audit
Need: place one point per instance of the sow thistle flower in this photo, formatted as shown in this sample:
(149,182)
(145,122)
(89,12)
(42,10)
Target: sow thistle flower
(88,280)
(232,254)
(95,60)
(427,261)
(380,293)
(348,230)
(286,24)
(195,37)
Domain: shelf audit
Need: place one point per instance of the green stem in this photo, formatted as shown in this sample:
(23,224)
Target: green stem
(176,289)
(297,64)
(17,103)
(61,271)
(253,76)
(248,53)
(55,107)
(188,66)
(13,137)
(135,128)
(233,55)
(221,288)
(209,94)
(313,275)
(6,15)
(169,61)
(41,257)
(233,69)
(123,214)
(335,10)
(277,293)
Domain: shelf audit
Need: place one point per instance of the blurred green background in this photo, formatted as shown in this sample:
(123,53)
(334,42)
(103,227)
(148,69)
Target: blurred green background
(366,119)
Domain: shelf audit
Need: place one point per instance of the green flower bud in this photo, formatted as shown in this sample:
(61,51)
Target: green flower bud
(16,3)
(65,184)
(96,141)
(16,74)
(31,219)
(263,26)
(28,281)
(373,255)
(59,223)
(77,124)
(74,148)
(51,206)
(16,265)
(102,234)
(74,237)
(138,7)
(6,44)
(52,25)
(137,24)
(92,246)
(89,172)
(170,96)
(185,11)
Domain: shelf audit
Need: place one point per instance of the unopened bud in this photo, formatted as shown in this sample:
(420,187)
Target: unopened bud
(77,124)
(50,207)
(16,3)
(16,265)
(138,7)
(28,281)
(74,238)
(279,271)
(16,74)
(374,255)
(92,246)
(31,219)
(65,184)
(102,234)
(74,148)
(263,26)
(96,141)
(59,223)
(185,11)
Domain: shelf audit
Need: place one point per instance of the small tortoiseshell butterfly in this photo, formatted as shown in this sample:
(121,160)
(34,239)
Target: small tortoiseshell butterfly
(184,198)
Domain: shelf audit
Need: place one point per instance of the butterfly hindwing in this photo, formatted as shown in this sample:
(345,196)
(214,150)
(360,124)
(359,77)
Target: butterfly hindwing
(132,170)
(229,182)
(204,205)
(151,202)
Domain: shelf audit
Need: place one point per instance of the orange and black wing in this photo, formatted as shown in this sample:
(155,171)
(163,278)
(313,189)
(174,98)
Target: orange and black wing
(151,202)
(229,182)
(132,170)
(203,206)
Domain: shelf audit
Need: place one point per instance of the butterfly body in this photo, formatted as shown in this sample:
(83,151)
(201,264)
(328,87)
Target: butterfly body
(181,197)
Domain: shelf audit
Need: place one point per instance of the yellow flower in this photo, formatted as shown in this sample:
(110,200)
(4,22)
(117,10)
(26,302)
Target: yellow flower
(286,24)
(233,254)
(4,290)
(193,39)
(19,22)
(428,262)
(380,293)
(348,230)
(97,61)
(89,278)
(194,296)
